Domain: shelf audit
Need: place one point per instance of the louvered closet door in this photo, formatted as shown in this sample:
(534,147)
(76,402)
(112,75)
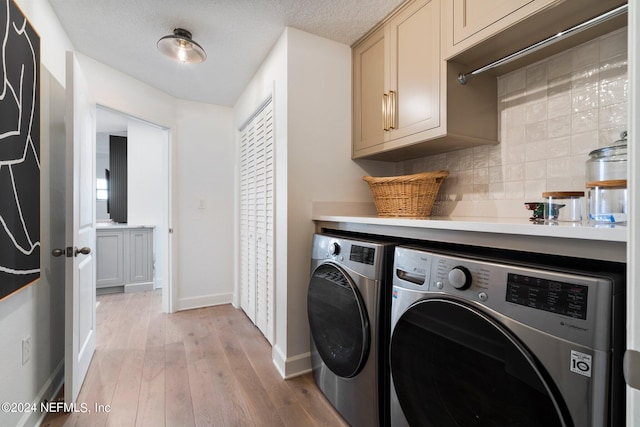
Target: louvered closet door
(256,210)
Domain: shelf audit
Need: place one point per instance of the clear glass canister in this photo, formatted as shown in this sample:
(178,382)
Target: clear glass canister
(608,201)
(608,163)
(563,206)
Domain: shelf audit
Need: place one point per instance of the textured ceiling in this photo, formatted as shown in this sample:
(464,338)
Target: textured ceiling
(236,34)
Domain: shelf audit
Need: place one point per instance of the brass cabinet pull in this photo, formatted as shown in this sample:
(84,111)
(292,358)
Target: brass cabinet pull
(393,100)
(384,111)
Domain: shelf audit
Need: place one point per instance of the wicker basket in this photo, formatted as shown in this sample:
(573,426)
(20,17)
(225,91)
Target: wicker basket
(407,196)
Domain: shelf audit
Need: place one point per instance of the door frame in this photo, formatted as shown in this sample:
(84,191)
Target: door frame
(168,289)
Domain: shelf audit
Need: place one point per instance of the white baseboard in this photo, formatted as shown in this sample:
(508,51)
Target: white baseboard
(138,287)
(49,391)
(203,301)
(292,366)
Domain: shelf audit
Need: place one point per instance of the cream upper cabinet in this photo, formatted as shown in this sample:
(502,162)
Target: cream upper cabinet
(403,106)
(414,70)
(368,92)
(478,32)
(475,20)
(397,79)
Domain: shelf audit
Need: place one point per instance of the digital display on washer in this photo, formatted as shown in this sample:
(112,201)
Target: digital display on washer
(362,254)
(550,295)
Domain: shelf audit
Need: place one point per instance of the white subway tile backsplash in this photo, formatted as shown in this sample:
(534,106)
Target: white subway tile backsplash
(584,121)
(583,143)
(533,190)
(558,147)
(514,190)
(584,98)
(558,168)
(612,92)
(613,45)
(559,105)
(558,65)
(536,170)
(514,172)
(551,115)
(586,55)
(536,111)
(536,132)
(559,126)
(481,176)
(516,81)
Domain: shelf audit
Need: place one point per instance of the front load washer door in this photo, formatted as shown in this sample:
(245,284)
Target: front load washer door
(452,365)
(338,320)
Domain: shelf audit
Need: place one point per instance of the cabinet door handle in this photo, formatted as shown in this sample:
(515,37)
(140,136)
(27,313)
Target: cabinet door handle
(393,100)
(385,103)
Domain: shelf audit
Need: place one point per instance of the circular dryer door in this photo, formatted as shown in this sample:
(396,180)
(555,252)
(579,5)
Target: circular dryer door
(451,365)
(338,320)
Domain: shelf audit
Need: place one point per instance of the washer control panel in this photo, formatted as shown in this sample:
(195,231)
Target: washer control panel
(458,276)
(570,303)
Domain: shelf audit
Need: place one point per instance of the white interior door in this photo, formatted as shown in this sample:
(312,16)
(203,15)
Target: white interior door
(80,277)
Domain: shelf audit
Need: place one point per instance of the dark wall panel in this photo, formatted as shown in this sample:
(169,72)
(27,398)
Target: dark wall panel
(118,178)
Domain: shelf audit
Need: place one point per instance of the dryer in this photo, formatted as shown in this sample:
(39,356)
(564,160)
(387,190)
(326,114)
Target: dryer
(348,305)
(492,342)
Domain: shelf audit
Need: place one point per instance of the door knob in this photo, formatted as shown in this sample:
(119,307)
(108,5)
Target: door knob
(83,251)
(57,252)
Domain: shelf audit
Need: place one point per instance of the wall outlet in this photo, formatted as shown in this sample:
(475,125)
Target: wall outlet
(26,349)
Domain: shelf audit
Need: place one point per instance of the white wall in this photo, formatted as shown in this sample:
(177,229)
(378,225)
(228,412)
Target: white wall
(148,188)
(38,310)
(319,159)
(312,81)
(205,198)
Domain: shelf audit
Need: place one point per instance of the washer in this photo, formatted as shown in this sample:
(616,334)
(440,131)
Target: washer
(486,342)
(348,307)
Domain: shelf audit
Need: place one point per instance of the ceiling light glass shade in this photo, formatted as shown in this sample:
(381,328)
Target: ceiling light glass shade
(181,47)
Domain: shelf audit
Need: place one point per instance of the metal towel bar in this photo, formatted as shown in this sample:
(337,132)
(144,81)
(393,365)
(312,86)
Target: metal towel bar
(464,78)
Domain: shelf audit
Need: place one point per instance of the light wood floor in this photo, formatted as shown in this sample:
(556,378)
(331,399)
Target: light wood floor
(204,367)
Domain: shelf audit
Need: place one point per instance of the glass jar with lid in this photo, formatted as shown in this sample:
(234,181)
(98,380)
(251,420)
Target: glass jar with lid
(608,163)
(606,173)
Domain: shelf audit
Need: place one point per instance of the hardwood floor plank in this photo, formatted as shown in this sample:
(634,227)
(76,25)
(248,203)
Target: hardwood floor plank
(179,406)
(151,400)
(203,367)
(124,405)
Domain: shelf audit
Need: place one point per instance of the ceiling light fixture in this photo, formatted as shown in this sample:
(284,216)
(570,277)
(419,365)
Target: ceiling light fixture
(181,47)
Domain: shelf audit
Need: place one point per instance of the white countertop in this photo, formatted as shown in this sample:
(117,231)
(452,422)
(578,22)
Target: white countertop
(606,242)
(119,225)
(514,226)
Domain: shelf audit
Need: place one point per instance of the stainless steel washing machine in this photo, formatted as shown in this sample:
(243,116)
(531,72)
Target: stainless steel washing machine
(348,305)
(486,342)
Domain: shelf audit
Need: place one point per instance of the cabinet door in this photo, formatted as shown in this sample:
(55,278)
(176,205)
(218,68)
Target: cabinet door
(475,20)
(415,64)
(368,92)
(109,258)
(140,255)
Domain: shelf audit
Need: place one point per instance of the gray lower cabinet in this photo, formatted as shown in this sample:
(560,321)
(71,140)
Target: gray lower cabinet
(124,259)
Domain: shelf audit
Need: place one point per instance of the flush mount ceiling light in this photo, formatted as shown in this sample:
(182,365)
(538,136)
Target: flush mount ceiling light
(181,47)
